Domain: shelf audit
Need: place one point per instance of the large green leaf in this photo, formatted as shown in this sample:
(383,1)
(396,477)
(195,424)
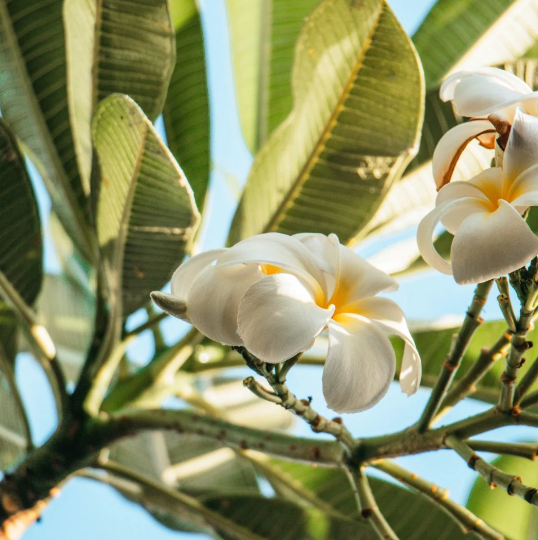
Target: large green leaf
(15,437)
(263,36)
(460,34)
(412,516)
(513,517)
(357,90)
(21,255)
(115,47)
(276,519)
(33,99)
(67,311)
(146,212)
(186,110)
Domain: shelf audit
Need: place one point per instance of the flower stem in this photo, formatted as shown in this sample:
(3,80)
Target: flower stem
(525,450)
(526,382)
(465,518)
(491,474)
(459,345)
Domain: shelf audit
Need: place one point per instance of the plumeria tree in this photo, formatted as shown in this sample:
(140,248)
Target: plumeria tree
(357,132)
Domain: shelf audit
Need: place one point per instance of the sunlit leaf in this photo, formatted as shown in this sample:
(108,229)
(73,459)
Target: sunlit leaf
(357,90)
(146,213)
(186,110)
(263,36)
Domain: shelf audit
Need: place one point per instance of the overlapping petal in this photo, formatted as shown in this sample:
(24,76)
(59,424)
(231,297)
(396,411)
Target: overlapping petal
(360,364)
(490,244)
(464,207)
(281,251)
(278,317)
(450,147)
(358,279)
(388,316)
(214,298)
(522,148)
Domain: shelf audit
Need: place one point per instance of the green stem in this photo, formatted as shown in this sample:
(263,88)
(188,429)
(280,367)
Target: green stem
(525,450)
(459,345)
(153,324)
(368,506)
(465,518)
(492,475)
(467,384)
(527,382)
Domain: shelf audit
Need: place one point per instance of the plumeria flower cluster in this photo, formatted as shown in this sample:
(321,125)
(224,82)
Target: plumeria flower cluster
(274,294)
(491,238)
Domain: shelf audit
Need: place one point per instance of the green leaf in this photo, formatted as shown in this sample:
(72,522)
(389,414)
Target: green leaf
(460,34)
(34,104)
(511,516)
(146,213)
(412,516)
(21,255)
(67,311)
(186,110)
(274,519)
(192,464)
(115,47)
(357,109)
(15,437)
(263,36)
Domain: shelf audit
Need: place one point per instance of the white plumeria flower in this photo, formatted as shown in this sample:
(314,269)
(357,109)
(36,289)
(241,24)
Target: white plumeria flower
(484,214)
(274,294)
(477,94)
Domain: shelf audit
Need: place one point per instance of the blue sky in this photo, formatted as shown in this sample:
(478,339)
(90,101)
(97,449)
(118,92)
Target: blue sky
(87,510)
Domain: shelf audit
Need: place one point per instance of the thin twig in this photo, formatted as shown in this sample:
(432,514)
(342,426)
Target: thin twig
(467,384)
(459,345)
(491,474)
(152,321)
(465,518)
(526,382)
(367,505)
(505,303)
(524,450)
(288,400)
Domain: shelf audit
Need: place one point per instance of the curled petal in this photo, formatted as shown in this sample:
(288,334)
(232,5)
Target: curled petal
(326,250)
(488,245)
(522,148)
(389,317)
(359,279)
(214,299)
(450,147)
(278,317)
(426,228)
(502,77)
(526,182)
(282,251)
(360,364)
(186,274)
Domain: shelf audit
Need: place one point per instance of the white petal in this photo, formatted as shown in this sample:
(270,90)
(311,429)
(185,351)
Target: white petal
(214,300)
(279,318)
(186,274)
(360,364)
(326,250)
(522,148)
(427,226)
(526,182)
(359,279)
(504,77)
(524,201)
(388,316)
(452,144)
(278,250)
(489,245)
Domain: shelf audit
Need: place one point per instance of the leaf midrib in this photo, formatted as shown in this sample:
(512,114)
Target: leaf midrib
(264,72)
(45,136)
(292,193)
